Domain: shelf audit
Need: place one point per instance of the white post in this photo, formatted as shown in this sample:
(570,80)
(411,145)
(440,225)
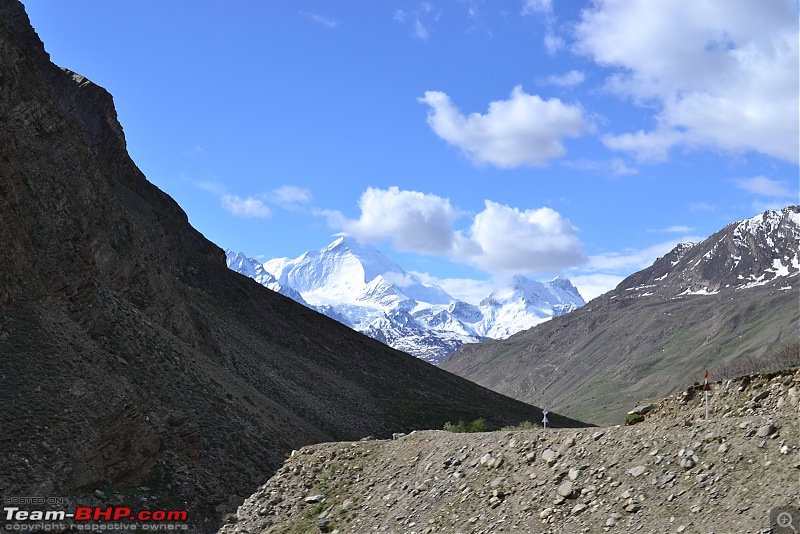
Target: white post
(544,419)
(706,387)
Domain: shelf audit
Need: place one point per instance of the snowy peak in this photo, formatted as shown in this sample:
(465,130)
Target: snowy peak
(760,251)
(359,286)
(556,291)
(251,268)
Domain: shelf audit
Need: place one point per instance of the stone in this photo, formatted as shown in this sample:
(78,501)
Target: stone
(544,514)
(637,471)
(565,489)
(313,499)
(573,473)
(641,409)
(723,448)
(549,456)
(578,508)
(766,430)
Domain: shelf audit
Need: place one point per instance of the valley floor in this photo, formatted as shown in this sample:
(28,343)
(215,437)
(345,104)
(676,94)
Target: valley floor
(674,472)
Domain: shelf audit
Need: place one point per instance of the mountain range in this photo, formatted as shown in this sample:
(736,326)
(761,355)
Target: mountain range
(358,286)
(734,296)
(136,369)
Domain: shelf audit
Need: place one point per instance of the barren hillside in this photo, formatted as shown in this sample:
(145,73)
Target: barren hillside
(674,472)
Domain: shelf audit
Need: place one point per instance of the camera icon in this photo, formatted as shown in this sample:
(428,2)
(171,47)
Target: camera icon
(785,520)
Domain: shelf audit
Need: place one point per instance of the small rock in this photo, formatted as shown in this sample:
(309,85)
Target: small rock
(573,473)
(578,508)
(641,409)
(723,448)
(766,430)
(544,514)
(637,471)
(565,489)
(313,499)
(610,522)
(549,456)
(497,482)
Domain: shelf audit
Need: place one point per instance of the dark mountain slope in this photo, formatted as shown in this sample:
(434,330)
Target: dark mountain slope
(733,296)
(131,356)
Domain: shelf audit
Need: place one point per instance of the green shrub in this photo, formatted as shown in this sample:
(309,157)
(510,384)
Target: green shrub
(525,425)
(633,418)
(478,425)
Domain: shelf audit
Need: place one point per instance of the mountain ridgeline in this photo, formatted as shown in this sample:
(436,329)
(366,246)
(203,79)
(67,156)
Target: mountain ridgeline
(135,364)
(360,287)
(731,297)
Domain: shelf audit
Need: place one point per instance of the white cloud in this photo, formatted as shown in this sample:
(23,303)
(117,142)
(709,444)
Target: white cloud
(568,79)
(764,186)
(319,19)
(505,239)
(553,42)
(466,289)
(594,285)
(415,221)
(245,207)
(500,239)
(614,167)
(675,229)
(523,130)
(289,196)
(537,6)
(421,20)
(420,31)
(631,260)
(723,75)
(701,206)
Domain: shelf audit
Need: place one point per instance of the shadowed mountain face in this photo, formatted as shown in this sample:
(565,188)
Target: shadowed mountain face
(131,356)
(731,297)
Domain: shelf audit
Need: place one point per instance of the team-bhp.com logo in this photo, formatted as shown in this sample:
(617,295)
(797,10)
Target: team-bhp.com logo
(117,518)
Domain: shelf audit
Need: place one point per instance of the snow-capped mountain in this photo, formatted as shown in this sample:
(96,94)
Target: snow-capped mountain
(760,251)
(360,287)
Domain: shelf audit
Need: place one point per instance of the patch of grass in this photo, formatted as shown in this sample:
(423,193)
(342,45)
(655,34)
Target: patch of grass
(525,425)
(633,418)
(478,425)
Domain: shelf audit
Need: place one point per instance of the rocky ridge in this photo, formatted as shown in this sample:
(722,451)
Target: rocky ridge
(674,472)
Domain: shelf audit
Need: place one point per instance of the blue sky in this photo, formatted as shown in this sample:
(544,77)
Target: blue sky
(467,140)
